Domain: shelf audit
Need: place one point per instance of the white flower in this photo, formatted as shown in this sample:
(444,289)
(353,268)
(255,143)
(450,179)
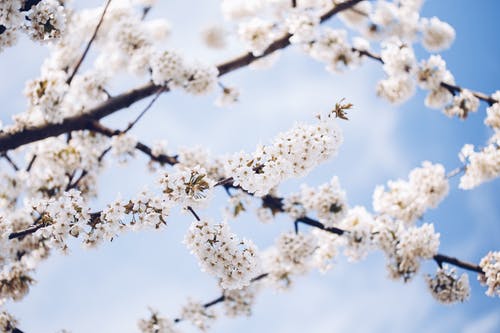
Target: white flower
(462,104)
(359,226)
(228,97)
(437,35)
(302,26)
(198,315)
(123,146)
(482,165)
(447,287)
(407,201)
(493,113)
(157,324)
(257,34)
(222,254)
(166,66)
(292,154)
(215,36)
(47,20)
(490,265)
(201,79)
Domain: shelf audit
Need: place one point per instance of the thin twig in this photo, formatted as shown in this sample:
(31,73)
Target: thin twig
(30,164)
(194,213)
(87,48)
(132,124)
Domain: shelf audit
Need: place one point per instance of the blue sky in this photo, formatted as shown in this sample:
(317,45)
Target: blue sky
(109,289)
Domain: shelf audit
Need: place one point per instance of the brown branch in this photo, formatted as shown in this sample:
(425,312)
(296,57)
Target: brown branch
(28,135)
(222,297)
(10,161)
(87,48)
(28,231)
(441,258)
(80,122)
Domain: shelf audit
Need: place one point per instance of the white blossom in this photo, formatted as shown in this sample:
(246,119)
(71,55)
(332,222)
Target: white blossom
(157,324)
(462,104)
(198,315)
(222,254)
(407,201)
(447,287)
(257,34)
(490,265)
(437,35)
(215,36)
(482,165)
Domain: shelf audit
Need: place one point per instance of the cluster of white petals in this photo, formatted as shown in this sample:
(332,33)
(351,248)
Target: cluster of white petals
(462,104)
(198,315)
(359,227)
(157,324)
(481,166)
(187,186)
(43,20)
(447,287)
(123,146)
(328,201)
(437,35)
(7,322)
(220,253)
(239,302)
(493,113)
(490,265)
(405,247)
(292,154)
(408,200)
(332,48)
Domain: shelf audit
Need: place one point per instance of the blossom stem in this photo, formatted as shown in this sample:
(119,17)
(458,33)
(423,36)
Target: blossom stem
(87,48)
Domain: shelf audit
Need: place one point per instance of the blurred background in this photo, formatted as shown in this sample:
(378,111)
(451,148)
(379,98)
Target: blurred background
(109,289)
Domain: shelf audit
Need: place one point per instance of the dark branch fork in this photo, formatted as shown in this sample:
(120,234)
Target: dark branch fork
(10,141)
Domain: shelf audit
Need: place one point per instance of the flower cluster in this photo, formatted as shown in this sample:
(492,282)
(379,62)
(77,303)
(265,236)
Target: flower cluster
(328,201)
(447,287)
(239,302)
(123,146)
(436,34)
(199,315)
(221,253)
(490,265)
(399,64)
(170,68)
(462,104)
(292,154)
(257,34)
(7,322)
(405,247)
(41,20)
(359,228)
(187,187)
(481,166)
(408,200)
(157,324)
(493,113)
(332,48)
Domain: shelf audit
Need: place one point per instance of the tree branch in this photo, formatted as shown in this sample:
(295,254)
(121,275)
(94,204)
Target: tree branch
(453,89)
(28,135)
